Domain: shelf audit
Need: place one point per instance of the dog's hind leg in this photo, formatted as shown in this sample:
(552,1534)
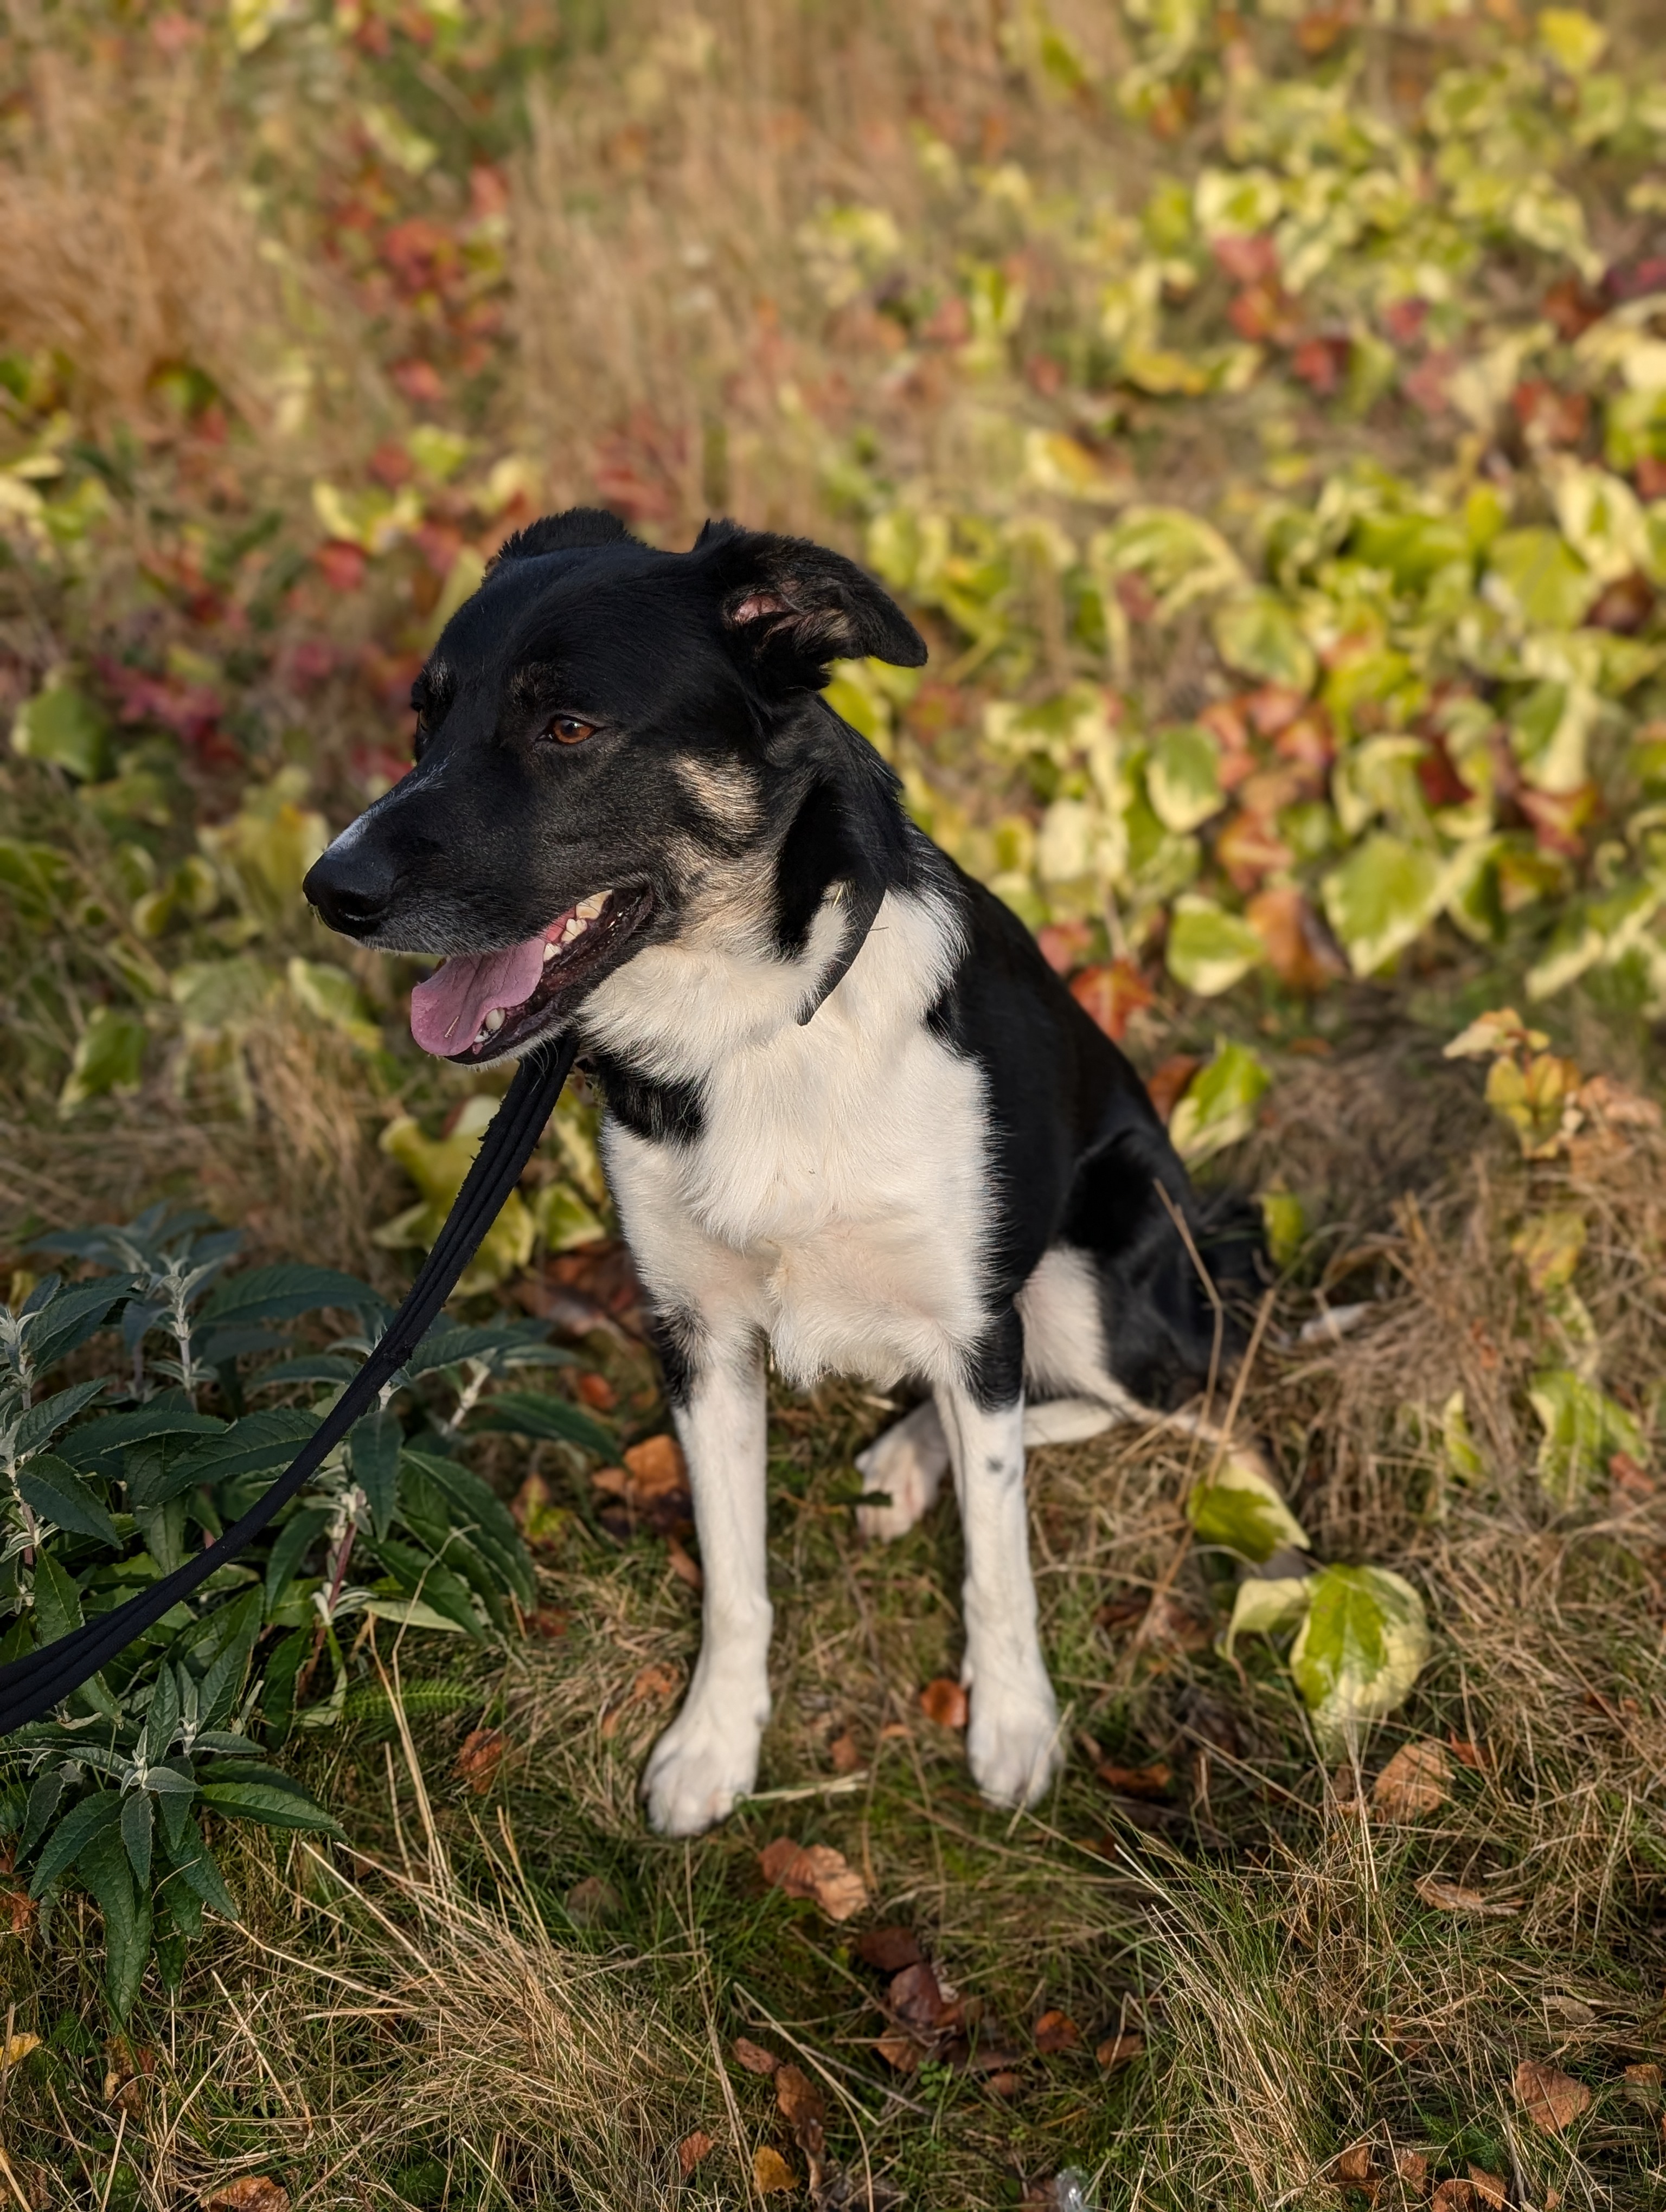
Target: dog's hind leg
(908,1462)
(1012,1735)
(707,1758)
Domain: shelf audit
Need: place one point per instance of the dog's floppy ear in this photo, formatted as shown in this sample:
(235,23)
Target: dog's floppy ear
(561,533)
(791,607)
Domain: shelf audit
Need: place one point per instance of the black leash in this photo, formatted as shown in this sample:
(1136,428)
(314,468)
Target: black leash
(31,1686)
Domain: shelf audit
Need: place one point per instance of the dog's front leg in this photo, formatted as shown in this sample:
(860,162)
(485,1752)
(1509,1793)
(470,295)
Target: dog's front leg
(1012,1736)
(707,1758)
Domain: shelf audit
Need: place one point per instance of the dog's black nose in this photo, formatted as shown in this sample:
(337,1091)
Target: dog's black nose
(351,887)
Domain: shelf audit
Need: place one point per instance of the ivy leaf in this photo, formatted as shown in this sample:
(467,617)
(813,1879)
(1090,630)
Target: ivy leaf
(1209,949)
(109,1056)
(1182,777)
(1218,1107)
(1257,634)
(1583,1430)
(1359,1650)
(1382,897)
(1535,575)
(1265,1605)
(1242,1509)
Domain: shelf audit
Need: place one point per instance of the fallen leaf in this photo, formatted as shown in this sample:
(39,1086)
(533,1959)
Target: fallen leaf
(844,1754)
(888,1950)
(17,1909)
(1056,2031)
(17,2047)
(250,2193)
(1553,2100)
(683,1564)
(661,1679)
(1166,1082)
(901,2051)
(920,2000)
(692,2148)
(814,1870)
(1413,1783)
(771,2174)
(481,1756)
(945,1701)
(1412,2168)
(1150,1781)
(753,2057)
(1112,994)
(598,1393)
(1352,2168)
(549,1622)
(1299,950)
(1470,1754)
(1451,1897)
(592,1901)
(543,1523)
(1455,2197)
(1491,2188)
(1004,2084)
(1643,2084)
(804,2108)
(1120,2050)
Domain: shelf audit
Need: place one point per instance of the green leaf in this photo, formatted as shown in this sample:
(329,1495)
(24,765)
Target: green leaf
(374,1445)
(198,1868)
(290,1546)
(1209,949)
(63,725)
(1182,777)
(1257,636)
(103,1866)
(1457,1440)
(1218,1107)
(1242,1509)
(78,1827)
(110,1432)
(481,1510)
(137,1820)
(422,1577)
(277,1689)
(1573,41)
(1382,897)
(72,1316)
(250,1446)
(44,1419)
(56,1600)
(238,1626)
(1284,1220)
(44,1800)
(52,1488)
(1536,576)
(534,1414)
(1265,1606)
(278,1293)
(161,1719)
(1583,1430)
(1359,1650)
(109,1056)
(272,1807)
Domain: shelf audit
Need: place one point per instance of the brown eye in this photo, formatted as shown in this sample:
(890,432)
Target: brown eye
(568,730)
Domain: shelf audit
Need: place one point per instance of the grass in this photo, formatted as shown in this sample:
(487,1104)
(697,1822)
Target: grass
(519,1997)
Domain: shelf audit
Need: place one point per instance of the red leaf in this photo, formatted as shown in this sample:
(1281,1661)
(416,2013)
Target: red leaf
(945,1701)
(1165,1083)
(1113,994)
(1056,2031)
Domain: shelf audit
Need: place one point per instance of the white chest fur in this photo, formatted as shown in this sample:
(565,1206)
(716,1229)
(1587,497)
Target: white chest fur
(836,1196)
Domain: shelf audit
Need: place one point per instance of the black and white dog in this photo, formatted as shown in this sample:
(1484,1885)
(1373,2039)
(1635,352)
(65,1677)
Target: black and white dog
(850,1110)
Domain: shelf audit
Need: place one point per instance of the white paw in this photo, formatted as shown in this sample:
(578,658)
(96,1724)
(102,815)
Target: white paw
(909,1464)
(1012,1743)
(705,1761)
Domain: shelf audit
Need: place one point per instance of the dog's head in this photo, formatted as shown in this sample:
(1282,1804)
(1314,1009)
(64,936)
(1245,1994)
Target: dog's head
(597,724)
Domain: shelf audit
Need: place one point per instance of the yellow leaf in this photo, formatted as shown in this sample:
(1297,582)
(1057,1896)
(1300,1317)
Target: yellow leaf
(771,2174)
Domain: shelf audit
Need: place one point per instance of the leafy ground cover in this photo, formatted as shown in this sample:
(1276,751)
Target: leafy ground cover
(1264,412)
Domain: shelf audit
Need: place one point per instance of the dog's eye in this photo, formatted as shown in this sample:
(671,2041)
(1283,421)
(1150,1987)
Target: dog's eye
(568,730)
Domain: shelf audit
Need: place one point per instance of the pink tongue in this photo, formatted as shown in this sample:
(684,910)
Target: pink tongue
(448,1007)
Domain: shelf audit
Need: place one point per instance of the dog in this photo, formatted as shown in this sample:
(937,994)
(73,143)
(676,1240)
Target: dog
(849,1111)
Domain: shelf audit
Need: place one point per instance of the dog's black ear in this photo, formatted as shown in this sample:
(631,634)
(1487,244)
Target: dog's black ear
(561,534)
(792,607)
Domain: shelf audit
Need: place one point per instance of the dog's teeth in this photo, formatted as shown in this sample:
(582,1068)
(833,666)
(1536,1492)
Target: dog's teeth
(480,1039)
(588,909)
(575,929)
(549,953)
(495,1019)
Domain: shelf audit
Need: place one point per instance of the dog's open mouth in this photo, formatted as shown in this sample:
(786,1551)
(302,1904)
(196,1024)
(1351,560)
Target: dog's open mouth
(478,1006)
